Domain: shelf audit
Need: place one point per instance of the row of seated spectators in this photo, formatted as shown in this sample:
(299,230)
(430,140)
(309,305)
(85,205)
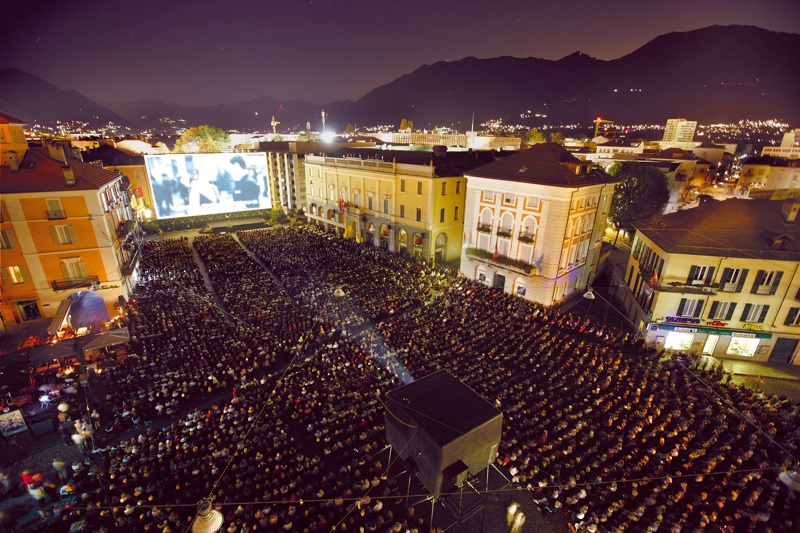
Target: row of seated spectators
(594,424)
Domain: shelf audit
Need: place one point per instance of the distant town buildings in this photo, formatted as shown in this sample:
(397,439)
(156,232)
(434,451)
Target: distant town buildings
(789,147)
(679,130)
(534,223)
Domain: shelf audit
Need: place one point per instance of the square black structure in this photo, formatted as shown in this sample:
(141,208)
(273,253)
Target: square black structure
(442,429)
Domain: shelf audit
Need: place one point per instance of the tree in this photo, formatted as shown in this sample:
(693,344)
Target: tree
(533,136)
(643,191)
(557,137)
(202,139)
(406,124)
(349,129)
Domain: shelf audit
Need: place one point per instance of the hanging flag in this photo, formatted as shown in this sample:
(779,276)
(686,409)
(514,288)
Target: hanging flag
(496,254)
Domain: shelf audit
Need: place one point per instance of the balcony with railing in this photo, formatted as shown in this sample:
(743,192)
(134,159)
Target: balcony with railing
(525,236)
(130,265)
(500,259)
(504,232)
(74,283)
(56,214)
(485,228)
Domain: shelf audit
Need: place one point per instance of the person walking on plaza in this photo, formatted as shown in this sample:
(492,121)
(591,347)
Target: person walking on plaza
(60,468)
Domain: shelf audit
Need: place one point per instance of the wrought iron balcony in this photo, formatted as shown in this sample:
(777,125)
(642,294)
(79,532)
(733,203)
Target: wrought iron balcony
(524,236)
(128,268)
(485,228)
(74,283)
(56,215)
(504,232)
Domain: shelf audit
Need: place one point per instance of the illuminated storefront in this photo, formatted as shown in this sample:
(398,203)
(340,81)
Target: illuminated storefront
(710,341)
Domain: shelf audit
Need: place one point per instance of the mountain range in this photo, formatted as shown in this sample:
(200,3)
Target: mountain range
(715,74)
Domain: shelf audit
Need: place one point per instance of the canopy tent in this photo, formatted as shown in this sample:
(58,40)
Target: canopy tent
(61,315)
(88,309)
(103,340)
(49,353)
(14,373)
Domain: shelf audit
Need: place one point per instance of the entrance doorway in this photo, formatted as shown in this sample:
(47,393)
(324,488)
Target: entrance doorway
(499,282)
(28,310)
(710,345)
(783,350)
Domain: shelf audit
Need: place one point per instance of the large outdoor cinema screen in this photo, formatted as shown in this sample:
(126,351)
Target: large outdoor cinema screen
(186,185)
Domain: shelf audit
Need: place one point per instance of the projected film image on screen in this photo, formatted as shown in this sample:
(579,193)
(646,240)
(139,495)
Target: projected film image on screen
(199,184)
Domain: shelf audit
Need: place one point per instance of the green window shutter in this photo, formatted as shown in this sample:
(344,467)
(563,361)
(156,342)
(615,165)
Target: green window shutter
(681,306)
(746,311)
(6,278)
(791,316)
(71,233)
(25,274)
(776,282)
(65,271)
(712,314)
(757,282)
(84,274)
(742,278)
(54,234)
(763,314)
(692,273)
(699,309)
(710,275)
(731,309)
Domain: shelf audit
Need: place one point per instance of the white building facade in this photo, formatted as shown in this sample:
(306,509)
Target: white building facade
(534,223)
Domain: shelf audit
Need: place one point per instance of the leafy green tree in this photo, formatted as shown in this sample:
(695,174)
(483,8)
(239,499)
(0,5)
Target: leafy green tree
(406,124)
(202,139)
(557,137)
(643,191)
(533,136)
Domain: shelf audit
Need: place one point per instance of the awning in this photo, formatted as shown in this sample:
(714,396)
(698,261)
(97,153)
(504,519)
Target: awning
(60,316)
(103,340)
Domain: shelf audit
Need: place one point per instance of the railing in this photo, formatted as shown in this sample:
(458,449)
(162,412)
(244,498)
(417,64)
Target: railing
(525,236)
(485,228)
(56,215)
(504,232)
(501,259)
(128,268)
(74,283)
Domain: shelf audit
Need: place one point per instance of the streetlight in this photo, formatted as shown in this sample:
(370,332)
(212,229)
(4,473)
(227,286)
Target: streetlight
(791,479)
(207,520)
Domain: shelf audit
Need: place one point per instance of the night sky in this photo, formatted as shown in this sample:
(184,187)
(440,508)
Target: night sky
(203,52)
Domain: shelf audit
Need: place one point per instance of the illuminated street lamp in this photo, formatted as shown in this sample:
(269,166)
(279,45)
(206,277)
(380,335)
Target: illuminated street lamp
(791,479)
(207,520)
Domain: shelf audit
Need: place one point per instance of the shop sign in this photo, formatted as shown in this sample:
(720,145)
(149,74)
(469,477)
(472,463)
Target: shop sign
(686,330)
(716,323)
(749,335)
(682,319)
(757,327)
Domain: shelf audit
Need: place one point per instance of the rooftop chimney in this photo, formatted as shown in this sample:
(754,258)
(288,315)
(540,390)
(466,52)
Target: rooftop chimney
(13,160)
(56,152)
(69,175)
(789,210)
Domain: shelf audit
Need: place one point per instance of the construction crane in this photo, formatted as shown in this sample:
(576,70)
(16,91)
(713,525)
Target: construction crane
(597,123)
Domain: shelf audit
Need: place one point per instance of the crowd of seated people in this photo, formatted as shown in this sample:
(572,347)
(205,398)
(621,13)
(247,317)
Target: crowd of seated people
(596,425)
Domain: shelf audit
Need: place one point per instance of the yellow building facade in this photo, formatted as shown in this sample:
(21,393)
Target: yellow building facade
(720,279)
(413,207)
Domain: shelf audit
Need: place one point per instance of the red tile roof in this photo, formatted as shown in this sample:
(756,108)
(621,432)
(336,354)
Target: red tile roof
(543,164)
(39,173)
(729,228)
(8,119)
